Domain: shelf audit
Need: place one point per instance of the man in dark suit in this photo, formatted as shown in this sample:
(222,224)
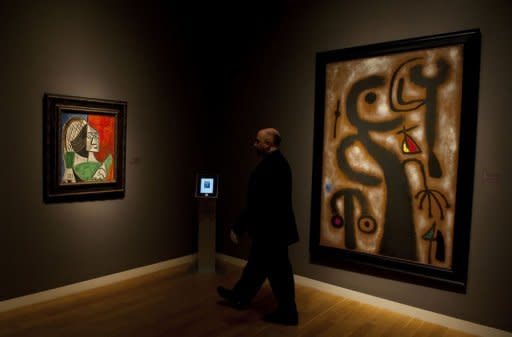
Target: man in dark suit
(270,222)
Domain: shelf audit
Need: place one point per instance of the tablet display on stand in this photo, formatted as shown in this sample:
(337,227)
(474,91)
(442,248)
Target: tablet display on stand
(207,185)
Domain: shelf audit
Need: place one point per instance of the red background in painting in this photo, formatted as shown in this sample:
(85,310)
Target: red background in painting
(105,125)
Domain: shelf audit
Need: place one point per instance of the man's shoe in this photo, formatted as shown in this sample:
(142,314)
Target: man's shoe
(232,298)
(278,317)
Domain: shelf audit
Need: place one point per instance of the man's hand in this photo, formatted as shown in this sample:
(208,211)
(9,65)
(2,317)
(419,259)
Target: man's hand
(233,237)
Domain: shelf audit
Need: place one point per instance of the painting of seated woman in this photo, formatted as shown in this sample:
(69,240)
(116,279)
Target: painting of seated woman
(87,148)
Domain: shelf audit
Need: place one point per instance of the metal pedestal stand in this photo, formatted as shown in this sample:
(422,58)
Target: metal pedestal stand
(206,235)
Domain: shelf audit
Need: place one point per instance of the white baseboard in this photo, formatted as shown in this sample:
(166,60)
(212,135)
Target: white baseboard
(425,315)
(231,260)
(51,294)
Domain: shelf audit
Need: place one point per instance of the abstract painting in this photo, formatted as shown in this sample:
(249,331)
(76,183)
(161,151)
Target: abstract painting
(84,148)
(392,180)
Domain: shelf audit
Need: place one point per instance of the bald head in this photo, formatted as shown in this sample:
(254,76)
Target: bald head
(271,136)
(267,140)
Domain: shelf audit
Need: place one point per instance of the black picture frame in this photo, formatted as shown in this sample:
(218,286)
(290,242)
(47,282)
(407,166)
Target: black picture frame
(105,179)
(453,277)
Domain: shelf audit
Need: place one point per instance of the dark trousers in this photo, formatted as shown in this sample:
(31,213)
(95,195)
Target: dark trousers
(270,261)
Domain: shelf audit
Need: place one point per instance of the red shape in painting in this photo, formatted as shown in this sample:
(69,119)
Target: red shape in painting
(410,145)
(106,128)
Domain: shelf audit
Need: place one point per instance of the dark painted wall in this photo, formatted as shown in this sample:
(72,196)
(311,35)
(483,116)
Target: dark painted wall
(100,50)
(275,87)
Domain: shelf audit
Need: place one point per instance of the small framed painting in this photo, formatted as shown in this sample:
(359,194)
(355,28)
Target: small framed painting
(84,148)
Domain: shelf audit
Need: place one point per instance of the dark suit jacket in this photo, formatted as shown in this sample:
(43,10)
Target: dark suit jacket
(268,216)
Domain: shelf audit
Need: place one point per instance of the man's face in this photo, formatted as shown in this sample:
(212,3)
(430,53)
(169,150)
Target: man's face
(259,144)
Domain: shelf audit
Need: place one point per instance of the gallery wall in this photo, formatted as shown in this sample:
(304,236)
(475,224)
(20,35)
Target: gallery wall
(274,86)
(108,51)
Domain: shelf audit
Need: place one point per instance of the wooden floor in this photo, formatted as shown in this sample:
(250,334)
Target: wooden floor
(182,303)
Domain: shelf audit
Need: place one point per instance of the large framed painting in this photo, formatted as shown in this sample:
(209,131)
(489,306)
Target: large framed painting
(84,148)
(394,151)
